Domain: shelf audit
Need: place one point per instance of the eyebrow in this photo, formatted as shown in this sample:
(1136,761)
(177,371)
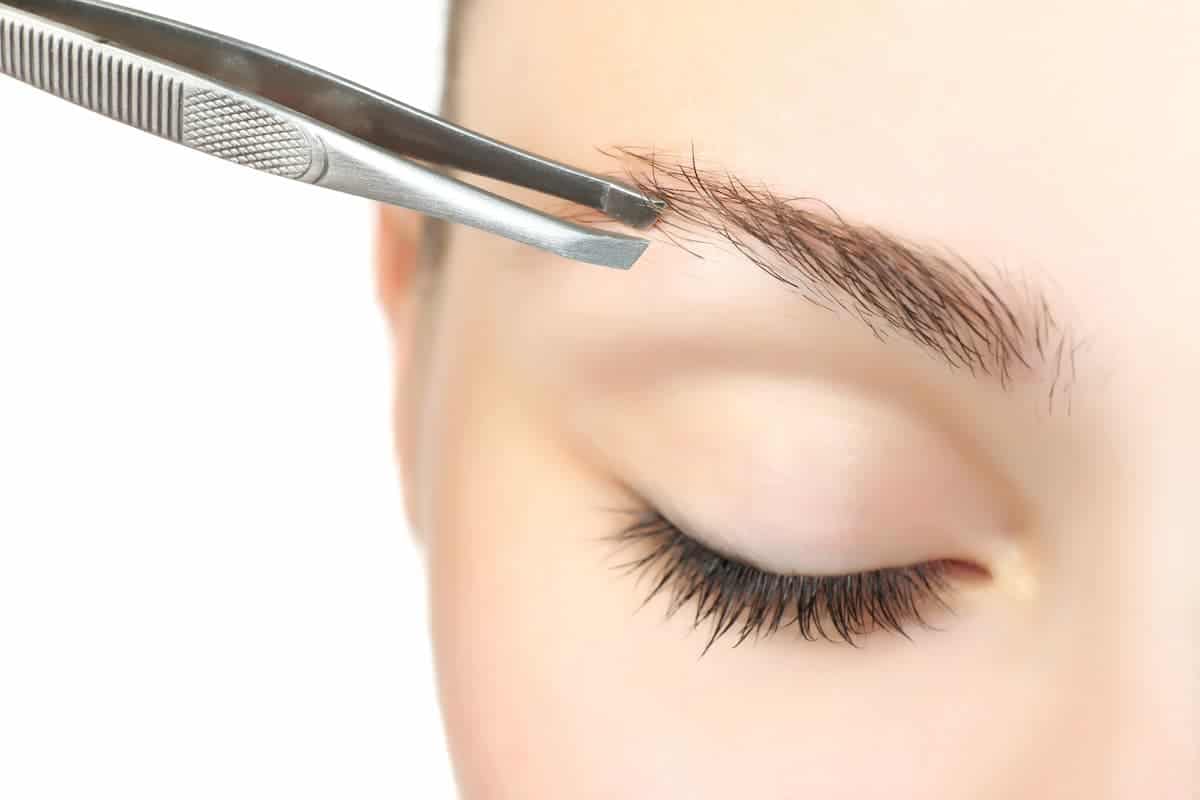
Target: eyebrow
(999,327)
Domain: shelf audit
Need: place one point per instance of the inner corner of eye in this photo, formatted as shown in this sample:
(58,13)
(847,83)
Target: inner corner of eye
(964,570)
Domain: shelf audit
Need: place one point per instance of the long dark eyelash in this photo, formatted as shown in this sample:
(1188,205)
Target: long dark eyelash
(744,601)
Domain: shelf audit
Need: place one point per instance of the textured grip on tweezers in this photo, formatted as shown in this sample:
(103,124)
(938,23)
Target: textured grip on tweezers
(246,134)
(154,100)
(90,77)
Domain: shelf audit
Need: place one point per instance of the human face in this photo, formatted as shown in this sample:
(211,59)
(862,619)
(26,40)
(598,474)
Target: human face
(1045,491)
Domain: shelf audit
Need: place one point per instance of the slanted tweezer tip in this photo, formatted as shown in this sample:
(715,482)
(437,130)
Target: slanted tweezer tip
(606,250)
(631,207)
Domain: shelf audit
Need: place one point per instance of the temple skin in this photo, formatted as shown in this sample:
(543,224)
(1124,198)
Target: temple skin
(1051,144)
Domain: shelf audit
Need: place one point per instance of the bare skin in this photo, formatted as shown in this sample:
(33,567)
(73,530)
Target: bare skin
(539,399)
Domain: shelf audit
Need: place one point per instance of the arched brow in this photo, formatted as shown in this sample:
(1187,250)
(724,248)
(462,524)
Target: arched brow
(992,325)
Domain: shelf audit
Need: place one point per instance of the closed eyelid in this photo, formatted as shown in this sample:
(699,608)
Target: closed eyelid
(815,478)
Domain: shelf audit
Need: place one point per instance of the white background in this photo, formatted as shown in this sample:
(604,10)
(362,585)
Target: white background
(207,588)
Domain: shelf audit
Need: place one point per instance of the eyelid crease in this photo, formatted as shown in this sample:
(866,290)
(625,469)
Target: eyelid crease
(835,608)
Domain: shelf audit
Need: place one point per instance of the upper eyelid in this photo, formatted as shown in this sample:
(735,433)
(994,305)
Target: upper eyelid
(823,487)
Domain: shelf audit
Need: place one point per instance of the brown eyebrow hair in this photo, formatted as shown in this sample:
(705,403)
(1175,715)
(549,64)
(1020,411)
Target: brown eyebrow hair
(1000,327)
(933,297)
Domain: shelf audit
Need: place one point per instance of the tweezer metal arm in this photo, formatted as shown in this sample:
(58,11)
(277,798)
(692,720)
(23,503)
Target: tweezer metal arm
(263,110)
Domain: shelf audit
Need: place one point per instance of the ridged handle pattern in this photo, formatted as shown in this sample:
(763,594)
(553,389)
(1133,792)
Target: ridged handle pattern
(156,101)
(93,78)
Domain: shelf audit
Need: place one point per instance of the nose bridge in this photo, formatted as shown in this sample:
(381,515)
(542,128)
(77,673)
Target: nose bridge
(1155,599)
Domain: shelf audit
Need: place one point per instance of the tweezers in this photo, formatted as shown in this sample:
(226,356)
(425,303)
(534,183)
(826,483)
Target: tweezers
(266,111)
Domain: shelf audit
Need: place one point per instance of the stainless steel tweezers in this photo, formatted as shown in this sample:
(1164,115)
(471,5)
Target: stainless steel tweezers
(263,110)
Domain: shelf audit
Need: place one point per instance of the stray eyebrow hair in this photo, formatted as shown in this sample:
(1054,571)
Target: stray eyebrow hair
(999,327)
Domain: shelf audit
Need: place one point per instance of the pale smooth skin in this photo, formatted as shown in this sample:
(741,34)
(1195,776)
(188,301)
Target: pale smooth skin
(1058,141)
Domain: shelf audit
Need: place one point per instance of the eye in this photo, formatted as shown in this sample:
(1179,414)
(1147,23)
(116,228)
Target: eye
(735,599)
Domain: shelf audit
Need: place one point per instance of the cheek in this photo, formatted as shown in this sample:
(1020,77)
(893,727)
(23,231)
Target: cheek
(517,612)
(527,626)
(554,684)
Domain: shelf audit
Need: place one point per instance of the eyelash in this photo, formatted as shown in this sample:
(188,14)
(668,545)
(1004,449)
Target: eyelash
(745,601)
